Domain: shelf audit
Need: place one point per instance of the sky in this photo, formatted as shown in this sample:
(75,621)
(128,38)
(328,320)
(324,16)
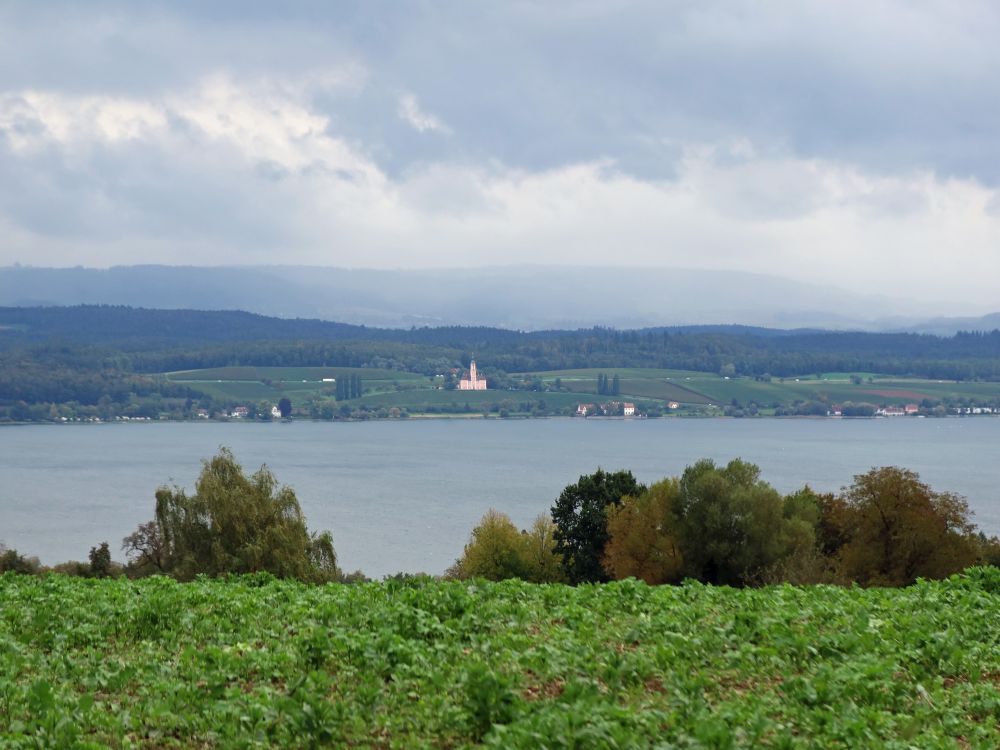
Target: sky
(849,143)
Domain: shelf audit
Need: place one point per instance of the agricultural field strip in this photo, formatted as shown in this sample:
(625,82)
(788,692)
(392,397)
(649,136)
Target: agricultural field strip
(434,397)
(240,373)
(262,383)
(256,662)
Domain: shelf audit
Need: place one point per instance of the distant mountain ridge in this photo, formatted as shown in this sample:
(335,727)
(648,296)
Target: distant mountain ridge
(515,297)
(121,325)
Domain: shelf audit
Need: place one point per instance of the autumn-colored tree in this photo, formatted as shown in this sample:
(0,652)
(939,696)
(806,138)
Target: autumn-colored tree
(544,565)
(643,541)
(832,527)
(497,550)
(899,530)
(494,551)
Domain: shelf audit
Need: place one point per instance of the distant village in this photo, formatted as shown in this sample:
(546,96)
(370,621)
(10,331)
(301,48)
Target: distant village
(614,409)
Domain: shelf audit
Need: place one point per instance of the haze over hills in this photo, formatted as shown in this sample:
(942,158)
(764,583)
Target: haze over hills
(518,297)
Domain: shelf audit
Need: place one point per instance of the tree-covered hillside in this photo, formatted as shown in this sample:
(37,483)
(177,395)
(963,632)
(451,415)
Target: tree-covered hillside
(91,355)
(153,338)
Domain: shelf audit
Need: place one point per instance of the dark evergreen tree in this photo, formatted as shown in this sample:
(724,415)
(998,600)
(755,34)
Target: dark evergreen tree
(285,407)
(580,516)
(615,386)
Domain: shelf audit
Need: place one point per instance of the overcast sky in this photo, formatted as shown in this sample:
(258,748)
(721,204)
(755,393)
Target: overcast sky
(856,143)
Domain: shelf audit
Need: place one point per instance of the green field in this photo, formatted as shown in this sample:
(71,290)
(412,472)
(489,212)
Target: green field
(292,374)
(881,391)
(415,399)
(591,373)
(418,393)
(702,387)
(255,663)
(249,390)
(252,384)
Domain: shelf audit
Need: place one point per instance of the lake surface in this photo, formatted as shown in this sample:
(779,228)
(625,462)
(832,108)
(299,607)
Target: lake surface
(404,495)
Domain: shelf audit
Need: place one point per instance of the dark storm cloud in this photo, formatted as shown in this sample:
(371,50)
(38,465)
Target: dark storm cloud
(714,134)
(891,85)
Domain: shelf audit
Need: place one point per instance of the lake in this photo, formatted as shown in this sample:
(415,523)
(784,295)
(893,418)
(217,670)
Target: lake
(404,495)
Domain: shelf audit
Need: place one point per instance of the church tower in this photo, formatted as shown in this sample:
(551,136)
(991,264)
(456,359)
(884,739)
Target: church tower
(473,382)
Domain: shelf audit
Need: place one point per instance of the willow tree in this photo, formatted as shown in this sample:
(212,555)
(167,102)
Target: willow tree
(233,523)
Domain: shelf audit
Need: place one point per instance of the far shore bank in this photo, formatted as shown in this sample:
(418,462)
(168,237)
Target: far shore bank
(494,418)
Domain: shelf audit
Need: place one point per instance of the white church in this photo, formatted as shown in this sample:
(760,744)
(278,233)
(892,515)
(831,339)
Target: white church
(473,382)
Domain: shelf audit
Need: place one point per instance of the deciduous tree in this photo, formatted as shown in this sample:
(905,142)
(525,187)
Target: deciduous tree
(898,529)
(494,550)
(100,561)
(730,523)
(543,562)
(643,539)
(497,550)
(233,523)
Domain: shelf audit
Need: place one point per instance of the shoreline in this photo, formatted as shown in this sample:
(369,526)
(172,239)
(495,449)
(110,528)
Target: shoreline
(479,416)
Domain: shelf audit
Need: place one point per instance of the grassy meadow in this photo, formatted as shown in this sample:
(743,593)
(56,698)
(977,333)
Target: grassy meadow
(697,388)
(255,662)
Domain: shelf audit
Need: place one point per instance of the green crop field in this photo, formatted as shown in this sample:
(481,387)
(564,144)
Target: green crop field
(292,373)
(636,382)
(881,391)
(623,372)
(253,662)
(297,383)
(705,387)
(416,399)
(661,390)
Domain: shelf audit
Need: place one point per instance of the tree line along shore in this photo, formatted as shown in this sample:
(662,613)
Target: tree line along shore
(716,524)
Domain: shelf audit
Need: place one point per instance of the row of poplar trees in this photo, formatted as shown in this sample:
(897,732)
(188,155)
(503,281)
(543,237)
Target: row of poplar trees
(348,387)
(606,387)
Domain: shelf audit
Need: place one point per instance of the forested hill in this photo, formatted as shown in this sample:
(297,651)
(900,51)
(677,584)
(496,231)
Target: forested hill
(142,340)
(131,327)
(119,325)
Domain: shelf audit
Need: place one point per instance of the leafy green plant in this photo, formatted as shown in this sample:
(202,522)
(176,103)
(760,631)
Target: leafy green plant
(258,661)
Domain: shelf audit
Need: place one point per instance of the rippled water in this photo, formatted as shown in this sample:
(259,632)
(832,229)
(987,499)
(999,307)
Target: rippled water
(403,495)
